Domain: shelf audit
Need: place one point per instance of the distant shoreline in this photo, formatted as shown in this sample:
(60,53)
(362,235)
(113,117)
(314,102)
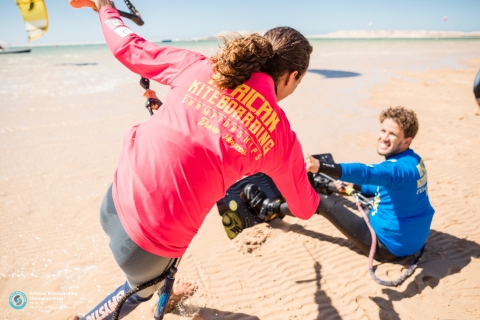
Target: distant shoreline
(338,35)
(398,34)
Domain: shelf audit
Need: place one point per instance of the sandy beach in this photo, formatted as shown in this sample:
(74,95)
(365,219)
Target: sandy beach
(63,114)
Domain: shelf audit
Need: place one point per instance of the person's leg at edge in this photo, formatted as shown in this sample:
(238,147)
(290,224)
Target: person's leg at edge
(477,111)
(138,265)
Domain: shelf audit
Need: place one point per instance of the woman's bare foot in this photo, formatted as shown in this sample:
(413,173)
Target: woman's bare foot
(180,292)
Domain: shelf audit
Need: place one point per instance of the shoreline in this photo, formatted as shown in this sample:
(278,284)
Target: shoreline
(216,39)
(353,35)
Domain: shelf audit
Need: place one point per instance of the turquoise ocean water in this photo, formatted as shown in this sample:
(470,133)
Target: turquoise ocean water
(91,68)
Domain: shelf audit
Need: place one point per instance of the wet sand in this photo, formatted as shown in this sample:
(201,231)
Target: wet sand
(61,127)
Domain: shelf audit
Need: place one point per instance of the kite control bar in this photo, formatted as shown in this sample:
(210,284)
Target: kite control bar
(350,191)
(152,103)
(133,15)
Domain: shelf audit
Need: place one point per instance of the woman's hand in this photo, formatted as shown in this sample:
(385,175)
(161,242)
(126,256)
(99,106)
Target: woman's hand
(103,3)
(312,164)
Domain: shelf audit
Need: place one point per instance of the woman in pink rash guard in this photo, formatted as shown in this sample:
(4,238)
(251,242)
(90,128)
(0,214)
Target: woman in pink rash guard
(220,121)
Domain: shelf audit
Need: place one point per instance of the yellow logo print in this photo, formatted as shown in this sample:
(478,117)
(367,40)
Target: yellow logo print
(422,182)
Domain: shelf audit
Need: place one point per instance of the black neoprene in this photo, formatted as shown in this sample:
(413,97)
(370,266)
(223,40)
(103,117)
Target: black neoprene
(332,169)
(350,224)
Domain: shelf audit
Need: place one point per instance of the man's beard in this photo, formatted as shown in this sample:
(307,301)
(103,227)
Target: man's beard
(390,153)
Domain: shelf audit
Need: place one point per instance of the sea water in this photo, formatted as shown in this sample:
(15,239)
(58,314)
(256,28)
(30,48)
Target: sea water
(350,65)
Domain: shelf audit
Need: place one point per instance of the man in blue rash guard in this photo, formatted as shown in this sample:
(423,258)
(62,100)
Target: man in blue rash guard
(402,213)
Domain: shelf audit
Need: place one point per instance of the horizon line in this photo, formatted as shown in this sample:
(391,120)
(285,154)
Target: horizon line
(337,35)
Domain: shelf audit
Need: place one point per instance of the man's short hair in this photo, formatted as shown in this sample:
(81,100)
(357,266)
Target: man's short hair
(405,118)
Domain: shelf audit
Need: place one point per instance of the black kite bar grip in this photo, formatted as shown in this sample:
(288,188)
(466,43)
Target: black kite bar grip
(134,14)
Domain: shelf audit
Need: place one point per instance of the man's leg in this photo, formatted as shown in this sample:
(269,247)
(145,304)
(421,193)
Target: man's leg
(352,226)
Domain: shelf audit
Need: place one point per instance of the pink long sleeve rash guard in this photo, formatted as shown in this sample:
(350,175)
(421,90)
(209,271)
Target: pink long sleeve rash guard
(174,167)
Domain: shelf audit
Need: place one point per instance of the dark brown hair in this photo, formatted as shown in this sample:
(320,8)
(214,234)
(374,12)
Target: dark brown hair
(405,118)
(280,50)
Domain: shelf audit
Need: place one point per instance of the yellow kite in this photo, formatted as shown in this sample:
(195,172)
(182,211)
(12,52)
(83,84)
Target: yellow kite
(34,13)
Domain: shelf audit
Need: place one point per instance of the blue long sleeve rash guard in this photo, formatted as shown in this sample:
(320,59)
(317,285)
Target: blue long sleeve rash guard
(402,214)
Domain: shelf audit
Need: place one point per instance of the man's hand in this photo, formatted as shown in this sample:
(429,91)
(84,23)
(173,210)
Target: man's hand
(312,164)
(340,185)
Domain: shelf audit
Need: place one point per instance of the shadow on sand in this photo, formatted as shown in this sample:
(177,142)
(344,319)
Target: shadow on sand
(444,255)
(334,73)
(325,308)
(208,313)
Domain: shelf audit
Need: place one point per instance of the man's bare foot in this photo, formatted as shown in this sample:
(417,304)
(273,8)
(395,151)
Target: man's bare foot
(180,292)
(74,318)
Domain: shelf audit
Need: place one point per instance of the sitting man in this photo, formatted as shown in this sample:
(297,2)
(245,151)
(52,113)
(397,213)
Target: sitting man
(401,214)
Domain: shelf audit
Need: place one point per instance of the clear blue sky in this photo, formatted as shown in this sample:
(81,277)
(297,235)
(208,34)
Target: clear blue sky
(197,18)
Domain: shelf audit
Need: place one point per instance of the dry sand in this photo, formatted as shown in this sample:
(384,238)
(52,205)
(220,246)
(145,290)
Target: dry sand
(58,154)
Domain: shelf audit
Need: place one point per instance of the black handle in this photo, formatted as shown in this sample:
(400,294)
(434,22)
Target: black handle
(134,17)
(145,83)
(165,294)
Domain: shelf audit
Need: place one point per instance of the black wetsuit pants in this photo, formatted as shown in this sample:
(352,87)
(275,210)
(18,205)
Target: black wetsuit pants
(351,225)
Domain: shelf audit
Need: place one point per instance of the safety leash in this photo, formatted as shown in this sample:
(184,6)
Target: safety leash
(363,201)
(152,103)
(373,249)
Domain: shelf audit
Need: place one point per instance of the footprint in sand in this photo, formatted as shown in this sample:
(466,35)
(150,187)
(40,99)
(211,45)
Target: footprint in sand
(252,239)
